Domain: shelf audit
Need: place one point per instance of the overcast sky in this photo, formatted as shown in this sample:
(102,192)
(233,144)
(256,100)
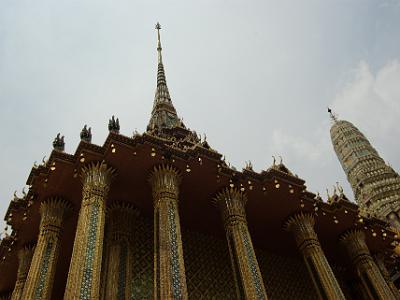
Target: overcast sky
(255,76)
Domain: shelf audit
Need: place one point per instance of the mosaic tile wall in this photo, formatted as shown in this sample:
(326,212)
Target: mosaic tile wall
(208,268)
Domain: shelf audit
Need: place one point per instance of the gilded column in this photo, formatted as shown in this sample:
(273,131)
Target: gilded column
(380,262)
(39,282)
(367,270)
(169,268)
(84,271)
(248,279)
(120,218)
(325,282)
(24,262)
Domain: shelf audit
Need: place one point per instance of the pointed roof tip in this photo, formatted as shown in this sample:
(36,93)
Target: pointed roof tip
(164,114)
(159,48)
(333,115)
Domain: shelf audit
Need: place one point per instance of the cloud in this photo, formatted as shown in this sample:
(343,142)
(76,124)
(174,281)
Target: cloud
(372,103)
(310,148)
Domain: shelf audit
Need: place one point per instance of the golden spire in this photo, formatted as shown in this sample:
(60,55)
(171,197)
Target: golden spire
(163,114)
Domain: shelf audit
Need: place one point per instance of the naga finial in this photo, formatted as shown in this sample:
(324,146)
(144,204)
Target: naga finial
(249,165)
(280,160)
(58,143)
(86,134)
(334,190)
(113,125)
(274,160)
(339,188)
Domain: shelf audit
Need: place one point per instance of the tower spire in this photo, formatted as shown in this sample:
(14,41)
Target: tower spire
(159,48)
(164,114)
(333,116)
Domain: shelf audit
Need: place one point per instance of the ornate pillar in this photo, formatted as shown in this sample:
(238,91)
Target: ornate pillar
(169,268)
(325,282)
(249,282)
(380,262)
(84,271)
(39,282)
(367,270)
(119,251)
(24,262)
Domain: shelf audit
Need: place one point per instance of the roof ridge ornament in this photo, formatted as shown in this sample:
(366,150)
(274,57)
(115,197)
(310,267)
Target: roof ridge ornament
(113,125)
(58,143)
(86,134)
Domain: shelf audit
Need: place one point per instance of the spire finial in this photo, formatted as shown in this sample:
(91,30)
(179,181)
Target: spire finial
(159,48)
(333,116)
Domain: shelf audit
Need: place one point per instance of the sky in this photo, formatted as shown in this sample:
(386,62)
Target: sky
(255,76)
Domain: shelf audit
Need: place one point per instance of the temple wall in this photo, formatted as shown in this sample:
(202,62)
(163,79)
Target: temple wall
(208,268)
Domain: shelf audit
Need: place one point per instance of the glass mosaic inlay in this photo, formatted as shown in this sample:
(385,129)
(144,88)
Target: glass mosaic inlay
(44,268)
(86,285)
(253,264)
(176,286)
(122,271)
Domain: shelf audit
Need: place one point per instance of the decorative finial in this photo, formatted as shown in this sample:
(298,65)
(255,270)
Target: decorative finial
(333,116)
(339,188)
(113,125)
(249,166)
(274,160)
(334,190)
(86,134)
(159,48)
(280,160)
(58,143)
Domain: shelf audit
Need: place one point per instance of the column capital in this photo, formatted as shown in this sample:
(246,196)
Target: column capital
(303,218)
(354,241)
(231,202)
(165,180)
(302,226)
(121,216)
(96,178)
(97,174)
(53,212)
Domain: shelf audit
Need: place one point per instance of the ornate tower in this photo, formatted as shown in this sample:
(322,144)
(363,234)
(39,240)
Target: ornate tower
(163,114)
(376,185)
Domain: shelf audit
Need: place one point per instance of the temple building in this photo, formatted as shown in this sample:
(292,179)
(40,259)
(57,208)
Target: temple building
(376,185)
(161,215)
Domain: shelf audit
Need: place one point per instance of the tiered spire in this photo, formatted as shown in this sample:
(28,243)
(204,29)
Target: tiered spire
(376,186)
(164,114)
